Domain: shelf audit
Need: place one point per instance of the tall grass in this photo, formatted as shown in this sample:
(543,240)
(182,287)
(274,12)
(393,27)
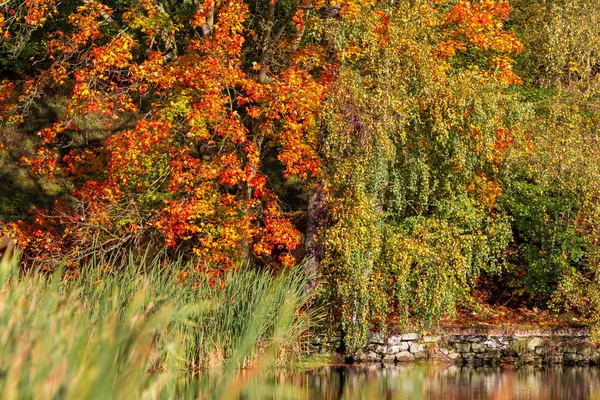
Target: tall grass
(136,332)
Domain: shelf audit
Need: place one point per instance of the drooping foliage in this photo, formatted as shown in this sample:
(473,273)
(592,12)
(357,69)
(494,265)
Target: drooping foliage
(415,137)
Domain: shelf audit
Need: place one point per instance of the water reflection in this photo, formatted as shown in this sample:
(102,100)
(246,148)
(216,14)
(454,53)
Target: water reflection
(431,381)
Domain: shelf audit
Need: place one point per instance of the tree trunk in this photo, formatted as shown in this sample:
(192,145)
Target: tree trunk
(316,220)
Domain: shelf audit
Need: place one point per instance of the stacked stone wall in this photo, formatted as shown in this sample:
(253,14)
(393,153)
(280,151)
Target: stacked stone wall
(566,347)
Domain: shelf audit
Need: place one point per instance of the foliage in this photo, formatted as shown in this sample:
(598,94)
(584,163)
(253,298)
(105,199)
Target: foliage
(415,139)
(551,195)
(561,42)
(189,123)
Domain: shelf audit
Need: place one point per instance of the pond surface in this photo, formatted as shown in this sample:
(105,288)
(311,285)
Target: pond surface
(433,381)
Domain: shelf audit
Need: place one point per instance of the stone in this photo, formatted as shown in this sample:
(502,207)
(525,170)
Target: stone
(397,349)
(555,359)
(417,347)
(404,356)
(572,357)
(463,347)
(410,336)
(569,349)
(534,343)
(488,355)
(366,357)
(394,340)
(390,358)
(478,347)
(420,355)
(502,341)
(468,356)
(431,339)
(380,349)
(492,344)
(476,338)
(456,338)
(585,351)
(452,355)
(376,338)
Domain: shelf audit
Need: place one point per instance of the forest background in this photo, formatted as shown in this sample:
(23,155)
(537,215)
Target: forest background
(425,158)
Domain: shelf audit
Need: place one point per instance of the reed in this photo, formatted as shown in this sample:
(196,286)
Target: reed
(135,331)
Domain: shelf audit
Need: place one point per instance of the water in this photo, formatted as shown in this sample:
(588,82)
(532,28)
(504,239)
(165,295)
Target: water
(433,381)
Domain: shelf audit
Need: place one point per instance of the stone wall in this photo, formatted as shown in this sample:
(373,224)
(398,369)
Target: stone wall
(568,347)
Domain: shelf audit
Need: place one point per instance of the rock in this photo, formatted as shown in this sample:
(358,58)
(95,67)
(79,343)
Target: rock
(572,357)
(397,349)
(501,341)
(569,349)
(393,349)
(394,340)
(366,357)
(390,358)
(420,355)
(476,338)
(463,347)
(410,336)
(431,339)
(417,347)
(493,344)
(585,351)
(376,338)
(404,356)
(478,347)
(534,343)
(456,338)
(555,359)
(381,349)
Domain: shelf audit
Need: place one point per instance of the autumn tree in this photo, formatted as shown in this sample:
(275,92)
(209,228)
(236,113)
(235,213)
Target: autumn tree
(416,130)
(550,187)
(192,100)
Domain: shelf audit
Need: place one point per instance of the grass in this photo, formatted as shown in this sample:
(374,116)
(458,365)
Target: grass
(134,331)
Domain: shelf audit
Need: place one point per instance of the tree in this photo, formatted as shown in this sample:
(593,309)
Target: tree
(191,107)
(417,126)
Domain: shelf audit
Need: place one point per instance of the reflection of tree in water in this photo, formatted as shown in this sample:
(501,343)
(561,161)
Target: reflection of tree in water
(515,383)
(432,381)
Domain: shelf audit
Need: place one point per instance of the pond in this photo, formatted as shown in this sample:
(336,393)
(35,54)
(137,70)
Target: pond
(435,381)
